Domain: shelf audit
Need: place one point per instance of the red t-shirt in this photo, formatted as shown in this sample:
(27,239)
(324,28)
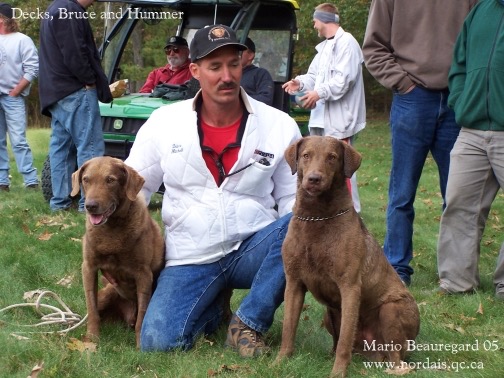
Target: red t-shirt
(221,150)
(168,76)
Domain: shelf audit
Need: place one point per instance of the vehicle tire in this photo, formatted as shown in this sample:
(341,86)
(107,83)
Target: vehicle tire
(46,180)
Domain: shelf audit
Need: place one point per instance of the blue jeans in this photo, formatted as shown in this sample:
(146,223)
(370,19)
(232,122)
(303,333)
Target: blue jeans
(420,121)
(76,137)
(13,122)
(186,301)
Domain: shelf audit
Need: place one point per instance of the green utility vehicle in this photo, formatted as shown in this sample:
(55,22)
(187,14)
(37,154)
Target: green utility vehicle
(271,24)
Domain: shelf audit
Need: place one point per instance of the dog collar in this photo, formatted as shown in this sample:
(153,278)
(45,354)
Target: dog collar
(315,219)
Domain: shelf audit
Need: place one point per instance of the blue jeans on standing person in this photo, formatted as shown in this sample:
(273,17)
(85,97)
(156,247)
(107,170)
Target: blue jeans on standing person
(76,137)
(186,301)
(420,122)
(13,122)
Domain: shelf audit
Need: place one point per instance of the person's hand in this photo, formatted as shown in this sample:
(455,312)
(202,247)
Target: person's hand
(14,93)
(410,89)
(309,100)
(291,86)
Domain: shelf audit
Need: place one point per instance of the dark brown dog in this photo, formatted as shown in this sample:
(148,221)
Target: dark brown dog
(329,252)
(121,240)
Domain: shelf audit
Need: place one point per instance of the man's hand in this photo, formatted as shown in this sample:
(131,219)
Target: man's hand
(309,100)
(291,86)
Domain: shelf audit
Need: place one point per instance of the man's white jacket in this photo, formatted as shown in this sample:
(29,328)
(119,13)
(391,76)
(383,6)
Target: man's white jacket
(336,74)
(204,222)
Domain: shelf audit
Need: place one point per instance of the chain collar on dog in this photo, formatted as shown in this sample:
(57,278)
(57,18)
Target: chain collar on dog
(314,219)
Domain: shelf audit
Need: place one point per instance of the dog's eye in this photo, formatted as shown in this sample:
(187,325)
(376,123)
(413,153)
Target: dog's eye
(331,157)
(306,156)
(110,180)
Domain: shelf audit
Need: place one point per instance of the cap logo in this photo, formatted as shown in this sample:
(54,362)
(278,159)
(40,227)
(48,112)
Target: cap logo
(218,33)
(173,39)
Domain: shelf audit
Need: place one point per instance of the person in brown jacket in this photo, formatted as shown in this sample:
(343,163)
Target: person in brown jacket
(408,48)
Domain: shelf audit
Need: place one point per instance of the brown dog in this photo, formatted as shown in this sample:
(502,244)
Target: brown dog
(329,252)
(121,240)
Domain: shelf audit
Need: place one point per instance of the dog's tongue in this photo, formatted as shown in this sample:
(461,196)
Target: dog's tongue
(96,218)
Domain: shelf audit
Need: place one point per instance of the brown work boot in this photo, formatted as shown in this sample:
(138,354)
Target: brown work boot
(246,341)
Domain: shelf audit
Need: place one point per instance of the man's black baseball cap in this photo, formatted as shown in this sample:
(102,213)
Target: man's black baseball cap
(210,38)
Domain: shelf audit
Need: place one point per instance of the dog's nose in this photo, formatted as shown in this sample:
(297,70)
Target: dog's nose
(314,178)
(91,205)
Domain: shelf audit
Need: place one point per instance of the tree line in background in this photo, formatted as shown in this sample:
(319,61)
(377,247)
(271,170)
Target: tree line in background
(147,39)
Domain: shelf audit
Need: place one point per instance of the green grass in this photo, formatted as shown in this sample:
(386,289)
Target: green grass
(38,249)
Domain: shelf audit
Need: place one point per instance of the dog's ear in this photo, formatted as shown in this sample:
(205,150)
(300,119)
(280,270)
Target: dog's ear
(77,179)
(134,182)
(352,160)
(291,155)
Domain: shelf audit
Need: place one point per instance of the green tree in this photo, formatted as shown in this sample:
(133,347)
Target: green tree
(353,18)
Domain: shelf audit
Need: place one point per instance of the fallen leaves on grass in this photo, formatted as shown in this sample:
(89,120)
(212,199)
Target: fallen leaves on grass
(455,328)
(143,372)
(19,337)
(403,369)
(66,281)
(480,309)
(234,368)
(26,229)
(54,221)
(209,342)
(81,346)
(428,202)
(36,370)
(467,318)
(45,236)
(32,295)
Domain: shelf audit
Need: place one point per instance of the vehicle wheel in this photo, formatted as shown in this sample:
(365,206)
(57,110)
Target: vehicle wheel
(46,180)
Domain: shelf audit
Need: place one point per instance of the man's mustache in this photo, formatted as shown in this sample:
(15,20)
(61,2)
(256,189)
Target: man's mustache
(230,85)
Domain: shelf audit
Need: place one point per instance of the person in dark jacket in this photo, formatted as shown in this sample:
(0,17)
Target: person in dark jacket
(476,83)
(256,81)
(71,81)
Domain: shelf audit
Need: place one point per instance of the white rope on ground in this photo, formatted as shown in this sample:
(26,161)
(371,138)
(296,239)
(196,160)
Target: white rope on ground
(64,317)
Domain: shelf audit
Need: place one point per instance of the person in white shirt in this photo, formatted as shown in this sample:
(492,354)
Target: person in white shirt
(19,67)
(228,198)
(333,87)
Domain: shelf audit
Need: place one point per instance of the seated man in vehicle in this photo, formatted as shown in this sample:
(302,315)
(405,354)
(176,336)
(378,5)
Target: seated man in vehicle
(177,69)
(256,81)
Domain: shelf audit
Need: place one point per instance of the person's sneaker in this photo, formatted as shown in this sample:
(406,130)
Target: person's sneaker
(444,291)
(4,188)
(499,292)
(246,341)
(32,186)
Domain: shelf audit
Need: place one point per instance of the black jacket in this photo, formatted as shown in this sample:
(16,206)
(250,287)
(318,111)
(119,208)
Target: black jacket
(68,57)
(258,84)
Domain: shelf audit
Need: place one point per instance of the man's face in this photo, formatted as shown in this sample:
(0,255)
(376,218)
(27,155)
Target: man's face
(176,55)
(247,57)
(219,74)
(85,3)
(320,27)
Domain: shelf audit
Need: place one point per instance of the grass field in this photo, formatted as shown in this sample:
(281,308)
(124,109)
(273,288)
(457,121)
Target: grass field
(41,250)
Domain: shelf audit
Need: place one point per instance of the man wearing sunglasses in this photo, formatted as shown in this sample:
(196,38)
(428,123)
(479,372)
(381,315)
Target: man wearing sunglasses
(177,69)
